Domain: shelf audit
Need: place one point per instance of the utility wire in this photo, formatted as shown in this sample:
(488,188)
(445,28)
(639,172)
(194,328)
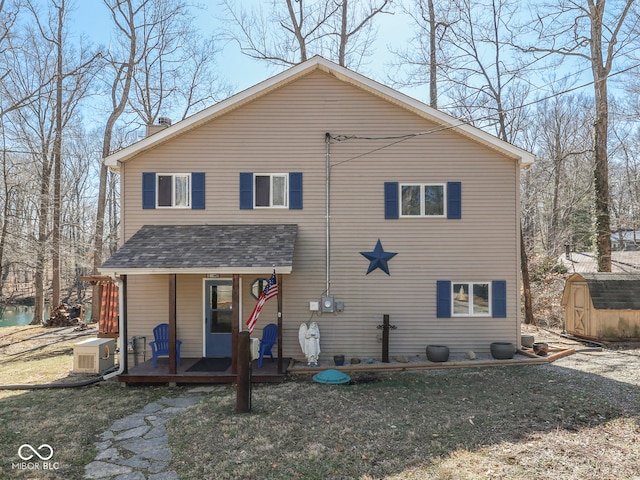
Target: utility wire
(404,137)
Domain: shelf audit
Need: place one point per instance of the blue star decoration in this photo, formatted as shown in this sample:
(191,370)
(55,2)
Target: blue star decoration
(378,258)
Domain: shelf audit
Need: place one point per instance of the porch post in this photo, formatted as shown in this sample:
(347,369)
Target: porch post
(124,355)
(172,324)
(235,322)
(279,280)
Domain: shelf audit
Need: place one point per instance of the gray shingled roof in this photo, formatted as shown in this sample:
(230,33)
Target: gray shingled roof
(206,249)
(614,291)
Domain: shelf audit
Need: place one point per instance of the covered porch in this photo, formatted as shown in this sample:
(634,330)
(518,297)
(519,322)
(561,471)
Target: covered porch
(206,252)
(145,373)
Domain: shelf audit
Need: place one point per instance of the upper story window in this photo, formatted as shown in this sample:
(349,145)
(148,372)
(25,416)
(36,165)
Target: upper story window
(173,190)
(423,200)
(271,190)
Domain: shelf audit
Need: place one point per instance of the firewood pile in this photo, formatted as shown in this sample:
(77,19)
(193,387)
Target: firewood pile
(66,316)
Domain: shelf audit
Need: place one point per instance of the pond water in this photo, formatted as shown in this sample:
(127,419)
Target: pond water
(16,315)
(19,315)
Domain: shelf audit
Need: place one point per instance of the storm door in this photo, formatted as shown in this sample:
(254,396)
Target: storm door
(218,317)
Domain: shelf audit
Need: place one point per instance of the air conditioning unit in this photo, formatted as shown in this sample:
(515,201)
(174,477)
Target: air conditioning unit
(94,355)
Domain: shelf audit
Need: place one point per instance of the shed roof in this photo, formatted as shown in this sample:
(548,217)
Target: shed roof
(610,291)
(523,157)
(223,249)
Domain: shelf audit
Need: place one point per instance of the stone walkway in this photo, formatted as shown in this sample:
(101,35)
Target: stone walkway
(136,447)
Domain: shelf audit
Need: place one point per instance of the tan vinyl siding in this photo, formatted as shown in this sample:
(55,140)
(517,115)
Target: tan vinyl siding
(284,131)
(148,306)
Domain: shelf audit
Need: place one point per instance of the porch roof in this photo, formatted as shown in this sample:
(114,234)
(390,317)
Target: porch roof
(204,249)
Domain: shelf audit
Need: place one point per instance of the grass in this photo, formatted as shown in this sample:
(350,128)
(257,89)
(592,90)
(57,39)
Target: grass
(504,423)
(517,422)
(67,419)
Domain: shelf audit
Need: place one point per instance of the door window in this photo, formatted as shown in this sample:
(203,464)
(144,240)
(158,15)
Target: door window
(221,315)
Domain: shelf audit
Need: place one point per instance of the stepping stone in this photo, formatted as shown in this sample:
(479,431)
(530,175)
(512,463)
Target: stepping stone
(108,454)
(127,423)
(164,476)
(133,433)
(132,476)
(104,469)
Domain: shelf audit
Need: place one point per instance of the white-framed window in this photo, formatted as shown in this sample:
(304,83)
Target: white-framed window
(173,190)
(471,299)
(423,200)
(271,190)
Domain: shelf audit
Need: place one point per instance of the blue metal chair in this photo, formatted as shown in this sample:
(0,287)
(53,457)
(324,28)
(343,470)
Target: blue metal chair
(160,345)
(268,340)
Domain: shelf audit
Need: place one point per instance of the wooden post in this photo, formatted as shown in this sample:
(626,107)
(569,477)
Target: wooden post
(235,322)
(385,338)
(280,366)
(172,325)
(243,387)
(124,355)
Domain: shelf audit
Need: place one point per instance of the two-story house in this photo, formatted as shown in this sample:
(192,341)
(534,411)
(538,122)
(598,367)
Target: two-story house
(365,202)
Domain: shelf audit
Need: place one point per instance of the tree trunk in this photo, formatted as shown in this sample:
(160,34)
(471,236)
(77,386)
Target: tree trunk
(601,169)
(57,168)
(601,177)
(43,220)
(526,286)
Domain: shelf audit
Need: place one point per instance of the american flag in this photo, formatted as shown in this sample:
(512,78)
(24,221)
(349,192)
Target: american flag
(270,291)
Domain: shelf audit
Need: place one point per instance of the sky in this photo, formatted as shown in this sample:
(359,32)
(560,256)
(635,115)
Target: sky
(91,18)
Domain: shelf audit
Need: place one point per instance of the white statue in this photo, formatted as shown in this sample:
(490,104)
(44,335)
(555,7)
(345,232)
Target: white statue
(310,342)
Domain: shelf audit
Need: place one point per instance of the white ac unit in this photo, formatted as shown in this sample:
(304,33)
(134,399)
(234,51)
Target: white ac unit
(94,355)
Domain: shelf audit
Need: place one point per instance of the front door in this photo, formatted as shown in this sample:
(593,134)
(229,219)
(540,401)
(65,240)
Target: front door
(218,317)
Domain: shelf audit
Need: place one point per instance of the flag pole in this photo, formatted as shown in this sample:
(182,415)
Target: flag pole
(279,280)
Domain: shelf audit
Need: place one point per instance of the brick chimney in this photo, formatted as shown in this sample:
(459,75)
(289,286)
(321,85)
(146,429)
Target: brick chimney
(163,122)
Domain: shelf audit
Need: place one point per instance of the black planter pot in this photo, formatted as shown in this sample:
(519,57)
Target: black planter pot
(437,353)
(338,360)
(503,350)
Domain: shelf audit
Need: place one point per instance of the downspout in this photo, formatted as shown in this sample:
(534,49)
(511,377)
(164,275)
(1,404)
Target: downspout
(327,137)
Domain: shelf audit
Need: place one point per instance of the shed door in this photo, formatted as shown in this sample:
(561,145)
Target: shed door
(580,308)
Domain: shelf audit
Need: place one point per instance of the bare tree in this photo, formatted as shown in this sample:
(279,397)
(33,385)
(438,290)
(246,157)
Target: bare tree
(176,67)
(285,35)
(423,57)
(558,188)
(120,63)
(69,89)
(598,33)
(36,125)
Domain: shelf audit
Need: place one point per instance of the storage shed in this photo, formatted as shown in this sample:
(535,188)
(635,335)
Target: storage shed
(602,306)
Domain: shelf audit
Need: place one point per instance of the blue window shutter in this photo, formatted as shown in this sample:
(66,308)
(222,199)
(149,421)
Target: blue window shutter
(295,190)
(391,209)
(197,190)
(444,299)
(148,190)
(246,190)
(454,200)
(499,298)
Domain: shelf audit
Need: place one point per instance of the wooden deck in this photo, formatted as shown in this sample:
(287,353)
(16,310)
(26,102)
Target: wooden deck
(145,373)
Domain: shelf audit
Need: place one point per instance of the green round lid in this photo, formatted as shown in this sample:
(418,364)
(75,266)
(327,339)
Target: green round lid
(332,377)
